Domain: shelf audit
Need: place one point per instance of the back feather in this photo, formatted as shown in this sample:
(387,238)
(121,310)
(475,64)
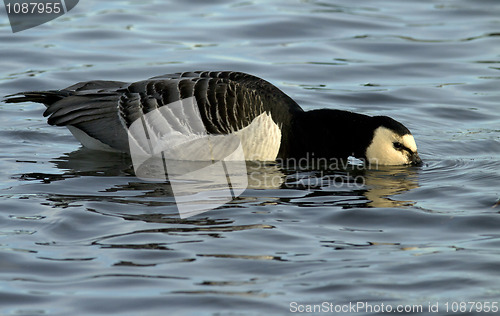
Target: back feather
(228,101)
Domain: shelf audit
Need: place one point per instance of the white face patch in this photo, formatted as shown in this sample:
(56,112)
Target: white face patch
(382,152)
(409,142)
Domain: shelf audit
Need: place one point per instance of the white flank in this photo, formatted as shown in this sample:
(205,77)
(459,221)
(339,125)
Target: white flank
(261,140)
(88,141)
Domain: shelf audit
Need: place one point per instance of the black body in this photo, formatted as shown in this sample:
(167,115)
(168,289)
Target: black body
(228,101)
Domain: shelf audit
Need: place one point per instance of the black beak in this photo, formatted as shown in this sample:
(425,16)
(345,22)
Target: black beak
(415,159)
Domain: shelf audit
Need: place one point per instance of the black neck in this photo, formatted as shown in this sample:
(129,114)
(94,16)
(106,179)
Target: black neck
(330,134)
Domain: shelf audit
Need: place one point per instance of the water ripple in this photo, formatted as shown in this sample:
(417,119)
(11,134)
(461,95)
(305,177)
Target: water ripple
(79,232)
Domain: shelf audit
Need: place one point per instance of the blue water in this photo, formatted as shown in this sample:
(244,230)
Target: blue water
(81,235)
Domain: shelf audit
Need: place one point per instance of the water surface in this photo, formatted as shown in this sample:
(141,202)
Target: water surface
(80,234)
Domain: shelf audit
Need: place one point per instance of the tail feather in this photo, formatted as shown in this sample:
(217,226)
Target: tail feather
(46,97)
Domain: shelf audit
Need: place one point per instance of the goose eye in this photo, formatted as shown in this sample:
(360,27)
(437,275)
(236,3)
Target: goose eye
(398,145)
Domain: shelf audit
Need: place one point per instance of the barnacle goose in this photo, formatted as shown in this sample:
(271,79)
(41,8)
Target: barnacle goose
(269,123)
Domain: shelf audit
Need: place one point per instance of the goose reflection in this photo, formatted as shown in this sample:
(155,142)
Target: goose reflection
(375,188)
(385,183)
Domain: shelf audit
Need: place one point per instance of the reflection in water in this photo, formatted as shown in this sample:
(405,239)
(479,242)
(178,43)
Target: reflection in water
(86,162)
(265,175)
(388,181)
(346,187)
